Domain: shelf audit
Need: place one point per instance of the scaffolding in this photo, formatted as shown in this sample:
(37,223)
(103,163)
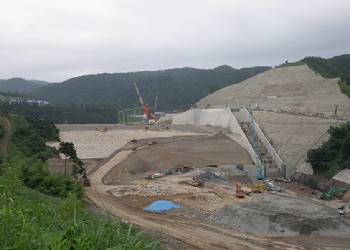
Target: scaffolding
(125,116)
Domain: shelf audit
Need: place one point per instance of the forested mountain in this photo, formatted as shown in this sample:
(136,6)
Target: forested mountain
(177,88)
(19,85)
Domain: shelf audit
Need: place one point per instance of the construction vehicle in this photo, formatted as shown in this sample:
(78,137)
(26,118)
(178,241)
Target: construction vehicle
(330,193)
(344,197)
(165,127)
(97,129)
(270,186)
(86,182)
(196,183)
(152,143)
(258,188)
(247,190)
(170,171)
(182,168)
(239,192)
(143,126)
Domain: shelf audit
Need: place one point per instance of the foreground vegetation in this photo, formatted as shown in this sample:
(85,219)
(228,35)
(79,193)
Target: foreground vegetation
(333,156)
(30,215)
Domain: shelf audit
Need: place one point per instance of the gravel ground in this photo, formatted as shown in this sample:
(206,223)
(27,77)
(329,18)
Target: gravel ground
(182,128)
(280,216)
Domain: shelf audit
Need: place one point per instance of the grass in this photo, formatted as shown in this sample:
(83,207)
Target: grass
(32,220)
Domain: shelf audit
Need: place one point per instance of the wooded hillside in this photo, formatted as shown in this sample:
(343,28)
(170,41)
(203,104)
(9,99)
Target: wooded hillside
(177,88)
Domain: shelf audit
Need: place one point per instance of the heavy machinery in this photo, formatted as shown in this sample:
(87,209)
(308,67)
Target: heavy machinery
(152,143)
(330,193)
(246,190)
(196,183)
(343,198)
(86,182)
(258,188)
(146,109)
(239,192)
(270,186)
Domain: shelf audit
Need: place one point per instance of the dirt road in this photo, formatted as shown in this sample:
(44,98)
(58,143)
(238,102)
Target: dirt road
(197,234)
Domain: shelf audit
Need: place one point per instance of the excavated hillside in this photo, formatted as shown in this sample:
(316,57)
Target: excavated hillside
(290,98)
(295,88)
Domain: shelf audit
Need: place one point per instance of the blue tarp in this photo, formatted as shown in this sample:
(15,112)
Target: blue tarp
(158,206)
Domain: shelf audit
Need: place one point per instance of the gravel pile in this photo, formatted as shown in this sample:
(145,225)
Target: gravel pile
(210,177)
(154,189)
(280,216)
(204,203)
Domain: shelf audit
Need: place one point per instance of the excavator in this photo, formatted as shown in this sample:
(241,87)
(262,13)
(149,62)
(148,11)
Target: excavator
(239,192)
(330,193)
(196,183)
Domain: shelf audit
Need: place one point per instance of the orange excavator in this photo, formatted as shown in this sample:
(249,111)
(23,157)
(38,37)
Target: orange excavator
(239,192)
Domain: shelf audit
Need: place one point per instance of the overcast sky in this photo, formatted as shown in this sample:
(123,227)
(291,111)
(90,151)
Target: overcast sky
(57,40)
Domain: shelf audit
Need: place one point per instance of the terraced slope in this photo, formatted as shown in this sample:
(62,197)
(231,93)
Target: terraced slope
(293,89)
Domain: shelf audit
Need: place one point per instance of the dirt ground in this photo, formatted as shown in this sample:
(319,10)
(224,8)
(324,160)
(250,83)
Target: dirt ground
(188,227)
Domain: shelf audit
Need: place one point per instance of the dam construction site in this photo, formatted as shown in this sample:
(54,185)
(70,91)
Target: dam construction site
(230,172)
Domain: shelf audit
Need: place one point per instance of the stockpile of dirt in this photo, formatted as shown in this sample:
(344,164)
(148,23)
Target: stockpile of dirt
(276,215)
(163,188)
(210,177)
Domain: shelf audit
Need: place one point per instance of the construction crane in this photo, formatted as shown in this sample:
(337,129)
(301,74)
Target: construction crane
(146,110)
(255,145)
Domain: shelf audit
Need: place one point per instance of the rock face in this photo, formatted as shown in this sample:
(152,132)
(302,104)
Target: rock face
(275,215)
(321,183)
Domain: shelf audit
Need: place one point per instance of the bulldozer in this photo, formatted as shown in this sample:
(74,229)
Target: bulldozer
(152,143)
(196,183)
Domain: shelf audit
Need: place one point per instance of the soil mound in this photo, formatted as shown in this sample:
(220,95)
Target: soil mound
(210,177)
(275,215)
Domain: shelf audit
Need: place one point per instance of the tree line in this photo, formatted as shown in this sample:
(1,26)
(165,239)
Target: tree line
(60,114)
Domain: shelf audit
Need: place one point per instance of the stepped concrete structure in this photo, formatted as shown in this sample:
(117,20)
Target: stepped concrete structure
(232,120)
(294,108)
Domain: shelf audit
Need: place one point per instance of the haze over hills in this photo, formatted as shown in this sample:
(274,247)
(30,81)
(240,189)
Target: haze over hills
(20,85)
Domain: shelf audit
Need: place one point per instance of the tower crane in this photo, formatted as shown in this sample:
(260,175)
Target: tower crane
(146,109)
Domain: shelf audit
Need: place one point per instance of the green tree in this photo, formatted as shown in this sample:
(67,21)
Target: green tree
(67,148)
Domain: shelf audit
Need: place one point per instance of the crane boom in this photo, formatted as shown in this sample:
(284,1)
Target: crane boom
(138,93)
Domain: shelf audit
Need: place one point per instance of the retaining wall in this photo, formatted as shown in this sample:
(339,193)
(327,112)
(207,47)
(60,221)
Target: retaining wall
(214,117)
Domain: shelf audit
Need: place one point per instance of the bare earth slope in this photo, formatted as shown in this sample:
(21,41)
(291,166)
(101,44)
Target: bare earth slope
(295,88)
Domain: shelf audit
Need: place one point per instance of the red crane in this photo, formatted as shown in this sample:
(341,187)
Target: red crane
(146,110)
